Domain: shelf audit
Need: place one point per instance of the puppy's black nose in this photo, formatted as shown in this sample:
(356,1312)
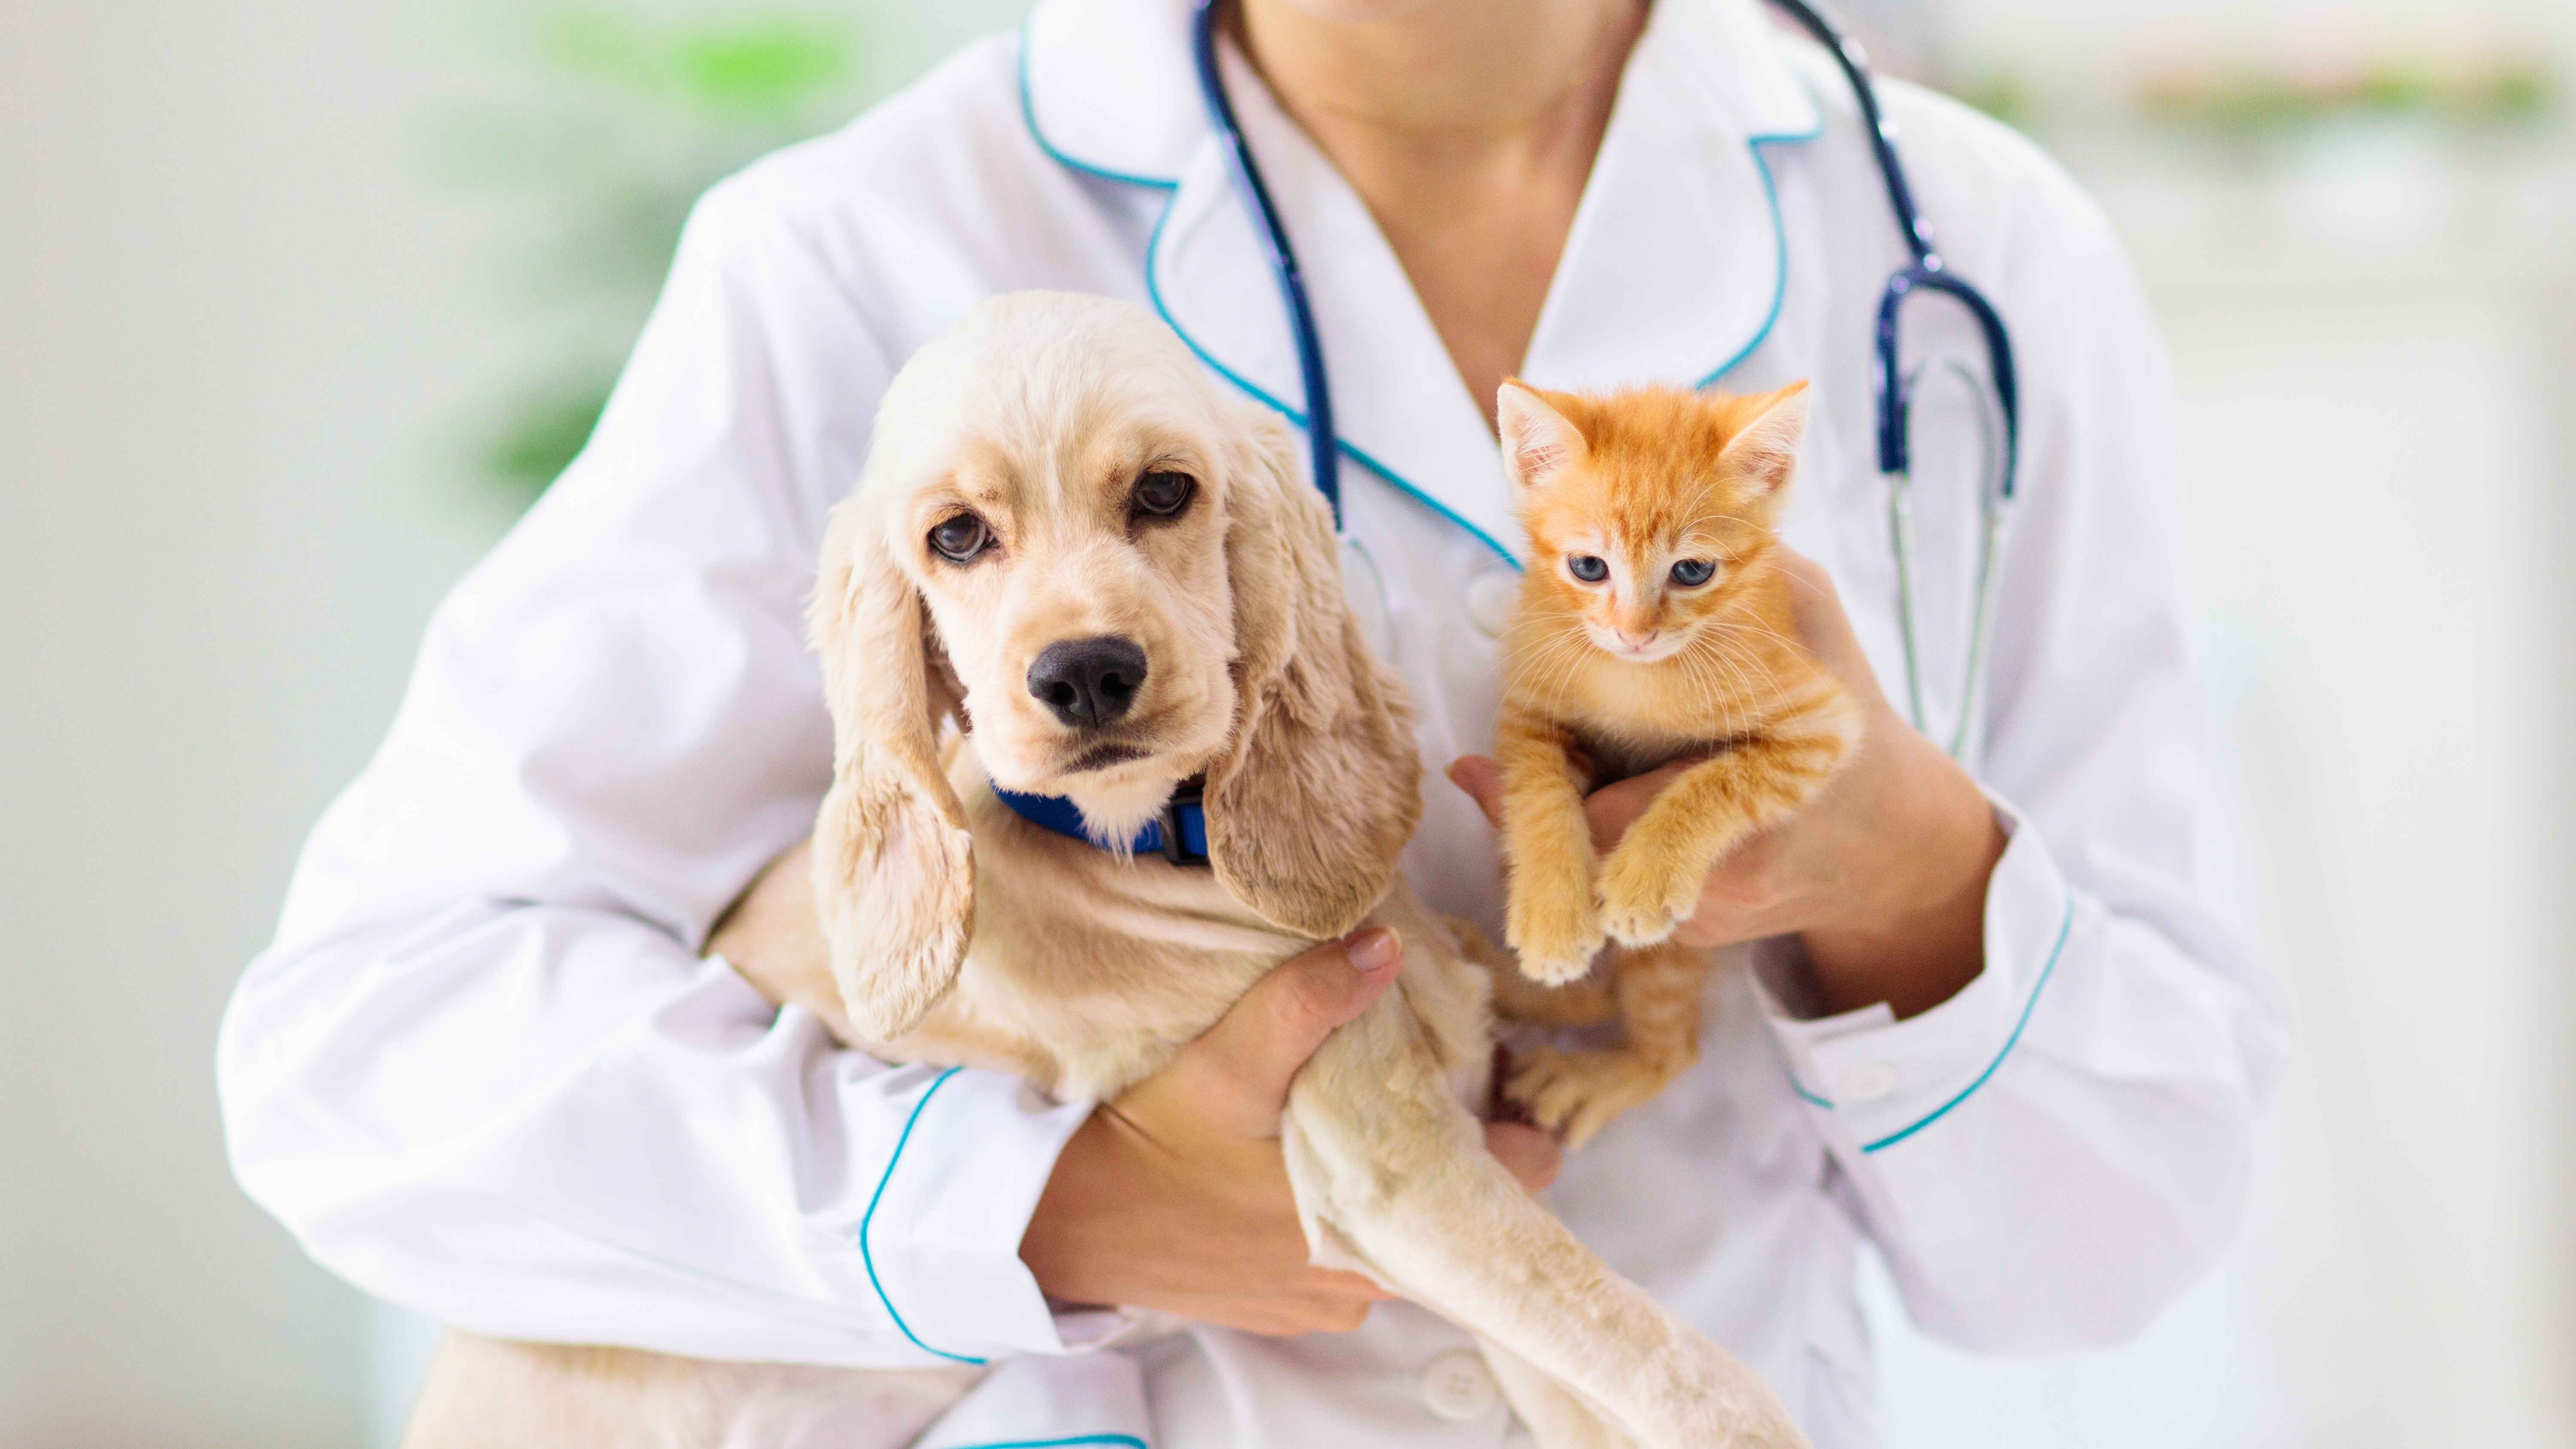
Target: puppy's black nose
(1088,681)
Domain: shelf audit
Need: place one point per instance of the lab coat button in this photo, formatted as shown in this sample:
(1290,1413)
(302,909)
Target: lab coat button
(1491,599)
(1867,1084)
(1459,1386)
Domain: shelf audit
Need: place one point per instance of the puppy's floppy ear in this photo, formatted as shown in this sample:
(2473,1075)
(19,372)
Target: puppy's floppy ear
(894,868)
(1321,785)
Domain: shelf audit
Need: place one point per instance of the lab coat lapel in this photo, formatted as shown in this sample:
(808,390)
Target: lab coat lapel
(1107,88)
(1677,264)
(1398,405)
(1673,272)
(1036,1401)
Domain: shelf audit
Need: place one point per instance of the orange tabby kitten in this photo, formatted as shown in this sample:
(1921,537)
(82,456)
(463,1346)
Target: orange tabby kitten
(1652,627)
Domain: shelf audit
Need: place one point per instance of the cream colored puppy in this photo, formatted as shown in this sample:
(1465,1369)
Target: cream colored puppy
(1105,570)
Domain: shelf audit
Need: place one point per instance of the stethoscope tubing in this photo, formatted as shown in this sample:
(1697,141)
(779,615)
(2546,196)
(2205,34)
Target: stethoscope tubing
(1929,272)
(1895,392)
(1324,445)
(1925,271)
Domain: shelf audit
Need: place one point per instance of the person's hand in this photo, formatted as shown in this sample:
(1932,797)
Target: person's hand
(1175,1195)
(1884,872)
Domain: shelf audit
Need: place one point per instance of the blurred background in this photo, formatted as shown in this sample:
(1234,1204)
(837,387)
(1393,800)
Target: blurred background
(301,302)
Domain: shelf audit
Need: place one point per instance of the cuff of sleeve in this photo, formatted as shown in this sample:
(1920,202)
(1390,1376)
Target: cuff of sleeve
(938,1238)
(1884,1080)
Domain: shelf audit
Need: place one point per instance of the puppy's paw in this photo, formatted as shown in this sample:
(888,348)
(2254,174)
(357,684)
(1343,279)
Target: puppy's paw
(1576,1094)
(1555,933)
(1646,894)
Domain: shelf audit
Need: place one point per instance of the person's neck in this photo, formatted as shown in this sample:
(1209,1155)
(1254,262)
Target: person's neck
(1468,127)
(1442,74)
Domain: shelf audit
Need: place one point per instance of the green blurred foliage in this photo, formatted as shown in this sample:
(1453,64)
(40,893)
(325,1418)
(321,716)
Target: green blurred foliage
(2005,95)
(2249,102)
(2252,101)
(730,65)
(609,124)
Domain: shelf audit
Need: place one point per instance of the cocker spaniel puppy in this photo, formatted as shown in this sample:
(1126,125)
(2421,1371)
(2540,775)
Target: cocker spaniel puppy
(1103,570)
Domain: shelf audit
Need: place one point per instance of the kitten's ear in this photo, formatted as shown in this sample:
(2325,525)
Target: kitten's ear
(1538,443)
(1767,429)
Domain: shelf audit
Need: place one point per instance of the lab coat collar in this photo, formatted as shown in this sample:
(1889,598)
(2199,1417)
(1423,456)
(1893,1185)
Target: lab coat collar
(1673,272)
(1108,88)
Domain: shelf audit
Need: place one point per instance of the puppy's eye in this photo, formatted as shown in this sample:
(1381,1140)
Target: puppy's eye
(961,538)
(1164,495)
(1690,573)
(1587,568)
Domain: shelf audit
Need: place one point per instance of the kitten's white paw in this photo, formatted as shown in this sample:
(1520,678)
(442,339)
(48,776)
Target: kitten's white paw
(1567,963)
(1635,929)
(1555,933)
(1644,898)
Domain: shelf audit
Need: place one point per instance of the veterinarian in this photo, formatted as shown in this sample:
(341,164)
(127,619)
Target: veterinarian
(1995,1030)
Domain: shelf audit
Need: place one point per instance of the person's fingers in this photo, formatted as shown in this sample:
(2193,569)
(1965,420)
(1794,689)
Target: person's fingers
(1355,1287)
(1237,1073)
(1613,808)
(1482,779)
(1330,1302)
(1293,1319)
(1310,1300)
(1340,1317)
(1813,600)
(1526,1152)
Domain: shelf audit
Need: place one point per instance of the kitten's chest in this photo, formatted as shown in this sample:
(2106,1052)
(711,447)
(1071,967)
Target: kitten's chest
(1631,720)
(1616,756)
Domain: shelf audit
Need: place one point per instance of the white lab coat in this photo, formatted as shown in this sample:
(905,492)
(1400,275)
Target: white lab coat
(484,1072)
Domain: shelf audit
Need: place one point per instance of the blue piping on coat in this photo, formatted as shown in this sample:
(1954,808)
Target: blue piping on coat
(1296,416)
(1127,1441)
(1029,117)
(871,1214)
(1779,242)
(2064,927)
(1154,291)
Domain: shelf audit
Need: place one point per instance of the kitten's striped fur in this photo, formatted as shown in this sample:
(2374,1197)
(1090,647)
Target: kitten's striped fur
(1612,677)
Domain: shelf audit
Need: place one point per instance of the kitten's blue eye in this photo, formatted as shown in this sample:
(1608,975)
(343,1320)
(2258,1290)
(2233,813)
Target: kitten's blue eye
(1690,573)
(1587,568)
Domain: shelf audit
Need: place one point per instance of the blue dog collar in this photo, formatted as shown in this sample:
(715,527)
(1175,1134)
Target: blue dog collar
(1180,836)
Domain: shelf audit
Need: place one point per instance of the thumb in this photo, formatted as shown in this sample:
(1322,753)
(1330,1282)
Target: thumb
(1817,614)
(1236,1074)
(1482,779)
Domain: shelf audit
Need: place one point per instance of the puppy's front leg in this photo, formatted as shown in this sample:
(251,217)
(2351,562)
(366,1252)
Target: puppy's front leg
(1384,1155)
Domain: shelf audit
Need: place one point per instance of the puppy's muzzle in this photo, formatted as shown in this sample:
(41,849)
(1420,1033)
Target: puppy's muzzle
(1088,683)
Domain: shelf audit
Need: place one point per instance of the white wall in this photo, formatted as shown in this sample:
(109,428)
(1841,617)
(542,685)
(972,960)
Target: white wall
(2095,38)
(233,319)
(2374,344)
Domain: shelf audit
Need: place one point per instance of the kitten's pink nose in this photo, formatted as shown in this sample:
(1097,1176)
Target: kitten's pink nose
(1638,640)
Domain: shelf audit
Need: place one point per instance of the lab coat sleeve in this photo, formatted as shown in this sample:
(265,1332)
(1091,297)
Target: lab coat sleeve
(484,1072)
(2052,1155)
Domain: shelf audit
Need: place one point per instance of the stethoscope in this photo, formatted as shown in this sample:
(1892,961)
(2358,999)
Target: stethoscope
(1893,386)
